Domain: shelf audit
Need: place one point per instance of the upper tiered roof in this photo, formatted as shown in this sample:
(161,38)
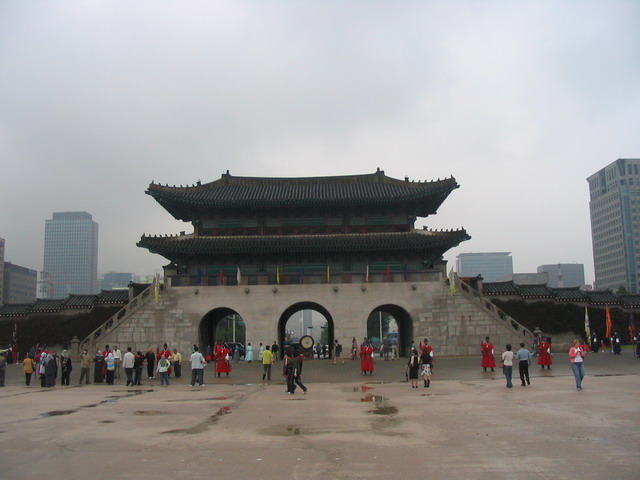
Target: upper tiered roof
(231,193)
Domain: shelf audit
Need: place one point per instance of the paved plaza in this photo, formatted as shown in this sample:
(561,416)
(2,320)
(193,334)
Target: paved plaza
(467,425)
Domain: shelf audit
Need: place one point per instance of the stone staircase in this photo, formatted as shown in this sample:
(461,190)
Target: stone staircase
(105,330)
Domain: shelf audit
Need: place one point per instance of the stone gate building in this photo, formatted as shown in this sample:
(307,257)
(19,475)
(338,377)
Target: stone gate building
(344,246)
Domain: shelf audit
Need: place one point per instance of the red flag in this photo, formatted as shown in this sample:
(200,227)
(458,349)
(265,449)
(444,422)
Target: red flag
(388,274)
(608,322)
(221,277)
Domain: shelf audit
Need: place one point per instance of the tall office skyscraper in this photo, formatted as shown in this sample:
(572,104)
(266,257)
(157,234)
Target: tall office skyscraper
(614,206)
(1,270)
(71,254)
(492,266)
(564,274)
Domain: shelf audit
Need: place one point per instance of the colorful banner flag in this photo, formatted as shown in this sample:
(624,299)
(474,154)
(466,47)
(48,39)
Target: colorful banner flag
(156,288)
(328,273)
(452,282)
(607,322)
(278,274)
(388,274)
(587,329)
(198,277)
(366,276)
(632,326)
(221,277)
(302,275)
(405,272)
(238,276)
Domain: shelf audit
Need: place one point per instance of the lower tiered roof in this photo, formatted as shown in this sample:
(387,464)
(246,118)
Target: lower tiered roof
(429,244)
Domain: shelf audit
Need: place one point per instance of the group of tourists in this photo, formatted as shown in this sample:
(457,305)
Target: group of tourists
(420,364)
(523,356)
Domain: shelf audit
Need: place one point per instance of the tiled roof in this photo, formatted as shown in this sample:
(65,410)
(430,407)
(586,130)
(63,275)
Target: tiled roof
(630,300)
(573,294)
(80,301)
(499,288)
(16,309)
(120,297)
(436,243)
(46,305)
(535,291)
(602,298)
(256,193)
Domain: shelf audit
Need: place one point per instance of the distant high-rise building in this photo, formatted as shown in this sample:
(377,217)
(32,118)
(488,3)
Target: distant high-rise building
(564,274)
(71,254)
(492,266)
(19,284)
(113,281)
(614,206)
(1,270)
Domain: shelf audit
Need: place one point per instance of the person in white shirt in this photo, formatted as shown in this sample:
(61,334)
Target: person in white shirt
(507,364)
(128,362)
(117,356)
(197,367)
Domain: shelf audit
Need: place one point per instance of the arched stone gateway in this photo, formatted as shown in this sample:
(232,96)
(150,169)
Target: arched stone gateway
(404,324)
(346,246)
(207,330)
(454,324)
(282,322)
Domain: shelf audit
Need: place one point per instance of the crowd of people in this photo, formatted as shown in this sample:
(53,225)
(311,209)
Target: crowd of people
(109,364)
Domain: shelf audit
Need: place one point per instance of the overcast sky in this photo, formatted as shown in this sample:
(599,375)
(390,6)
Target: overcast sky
(519,101)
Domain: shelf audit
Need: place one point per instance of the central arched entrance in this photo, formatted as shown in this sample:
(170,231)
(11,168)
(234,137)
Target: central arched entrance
(221,324)
(322,331)
(380,328)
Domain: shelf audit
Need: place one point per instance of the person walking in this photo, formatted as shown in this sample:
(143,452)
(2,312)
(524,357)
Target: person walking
(337,352)
(297,374)
(426,362)
(507,364)
(267,361)
(197,367)
(412,366)
(128,363)
(524,360)
(28,367)
(576,357)
(137,368)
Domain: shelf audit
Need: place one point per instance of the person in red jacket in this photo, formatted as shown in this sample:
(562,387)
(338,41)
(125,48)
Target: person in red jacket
(366,357)
(544,353)
(486,348)
(222,359)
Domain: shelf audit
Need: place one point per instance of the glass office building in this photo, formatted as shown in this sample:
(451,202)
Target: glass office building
(71,254)
(614,206)
(491,266)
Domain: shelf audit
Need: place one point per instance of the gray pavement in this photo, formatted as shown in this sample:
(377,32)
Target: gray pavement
(466,425)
